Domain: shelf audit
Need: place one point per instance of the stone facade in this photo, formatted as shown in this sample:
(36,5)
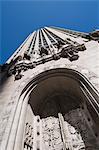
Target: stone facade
(49,95)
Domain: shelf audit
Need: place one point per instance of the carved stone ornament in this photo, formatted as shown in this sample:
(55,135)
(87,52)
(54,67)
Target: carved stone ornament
(51,134)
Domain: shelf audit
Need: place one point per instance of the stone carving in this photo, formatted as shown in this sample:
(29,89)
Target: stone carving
(78,136)
(43,51)
(28,138)
(75,137)
(51,134)
(78,122)
(62,50)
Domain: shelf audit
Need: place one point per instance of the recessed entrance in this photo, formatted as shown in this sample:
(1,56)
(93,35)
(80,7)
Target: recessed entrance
(60,117)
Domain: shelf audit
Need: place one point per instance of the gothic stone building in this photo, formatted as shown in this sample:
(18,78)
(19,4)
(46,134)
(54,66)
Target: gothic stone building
(49,97)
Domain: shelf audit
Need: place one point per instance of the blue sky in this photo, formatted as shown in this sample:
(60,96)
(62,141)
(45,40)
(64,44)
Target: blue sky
(19,18)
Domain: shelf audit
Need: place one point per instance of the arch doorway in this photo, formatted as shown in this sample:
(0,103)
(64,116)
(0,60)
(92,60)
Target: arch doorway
(60,115)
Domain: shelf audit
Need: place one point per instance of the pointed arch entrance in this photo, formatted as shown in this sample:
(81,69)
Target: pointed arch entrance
(62,112)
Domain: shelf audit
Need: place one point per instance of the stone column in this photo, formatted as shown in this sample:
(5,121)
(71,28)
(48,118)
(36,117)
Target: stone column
(65,133)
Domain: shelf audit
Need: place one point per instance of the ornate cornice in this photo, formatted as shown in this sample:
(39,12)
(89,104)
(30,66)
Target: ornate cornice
(22,64)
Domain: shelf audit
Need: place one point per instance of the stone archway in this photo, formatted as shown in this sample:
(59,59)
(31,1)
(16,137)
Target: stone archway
(58,100)
(45,87)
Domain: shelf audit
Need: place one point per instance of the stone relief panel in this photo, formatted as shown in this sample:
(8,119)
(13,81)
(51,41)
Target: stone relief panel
(74,138)
(28,139)
(78,135)
(82,132)
(51,134)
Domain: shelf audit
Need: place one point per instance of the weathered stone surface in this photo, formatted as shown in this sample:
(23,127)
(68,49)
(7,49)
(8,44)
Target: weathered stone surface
(30,65)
